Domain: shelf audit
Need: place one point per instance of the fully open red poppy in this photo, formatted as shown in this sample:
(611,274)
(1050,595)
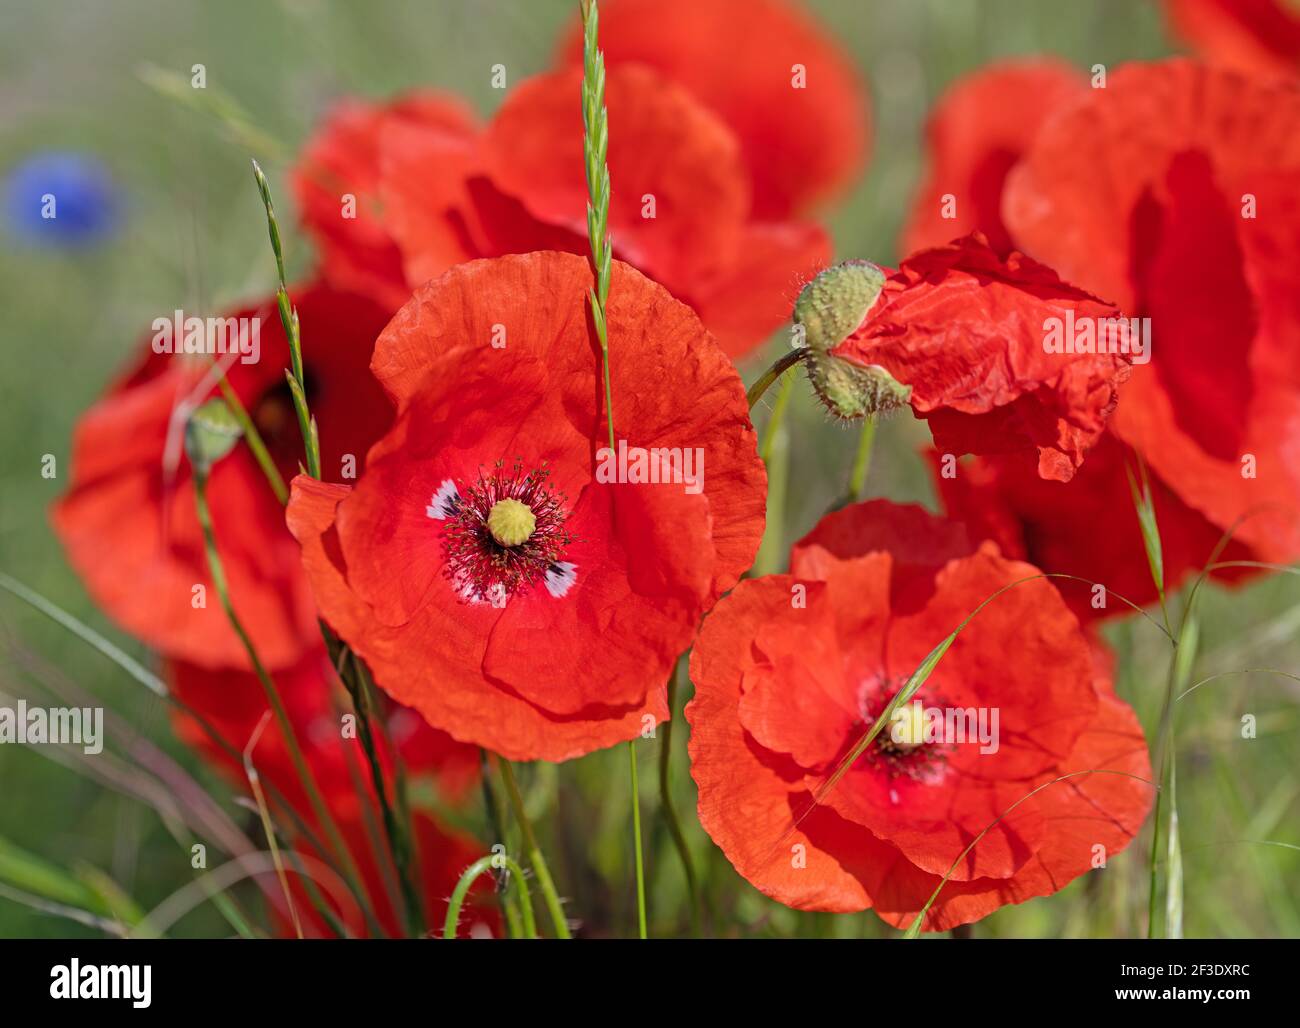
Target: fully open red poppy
(1173,192)
(976,133)
(969,331)
(791,670)
(1255,36)
(487,575)
(128,520)
(786,89)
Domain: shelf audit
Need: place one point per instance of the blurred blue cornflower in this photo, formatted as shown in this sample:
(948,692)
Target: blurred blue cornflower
(61,198)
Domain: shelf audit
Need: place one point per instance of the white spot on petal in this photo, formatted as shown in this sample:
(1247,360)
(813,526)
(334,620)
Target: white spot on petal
(560,577)
(444,501)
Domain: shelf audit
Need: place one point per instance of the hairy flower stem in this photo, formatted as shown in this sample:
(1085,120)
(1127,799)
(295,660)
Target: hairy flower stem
(482,866)
(217,570)
(774,449)
(495,818)
(783,364)
(535,856)
(670,809)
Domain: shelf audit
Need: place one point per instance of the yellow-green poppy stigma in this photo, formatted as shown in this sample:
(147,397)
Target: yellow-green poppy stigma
(511,522)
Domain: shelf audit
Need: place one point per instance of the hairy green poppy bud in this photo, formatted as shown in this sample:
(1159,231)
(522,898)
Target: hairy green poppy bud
(834,303)
(831,307)
(211,432)
(851,390)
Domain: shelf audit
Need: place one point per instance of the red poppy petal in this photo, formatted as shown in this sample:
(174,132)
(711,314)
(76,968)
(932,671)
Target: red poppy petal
(976,133)
(1181,151)
(463,702)
(744,303)
(342,161)
(664,149)
(1255,36)
(128,520)
(1084,817)
(746,804)
(463,309)
(802,143)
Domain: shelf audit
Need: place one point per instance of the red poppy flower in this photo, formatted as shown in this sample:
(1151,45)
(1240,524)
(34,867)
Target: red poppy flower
(496,572)
(786,89)
(970,333)
(791,670)
(128,521)
(1257,36)
(430,192)
(234,705)
(1197,228)
(1087,527)
(336,182)
(976,133)
(681,198)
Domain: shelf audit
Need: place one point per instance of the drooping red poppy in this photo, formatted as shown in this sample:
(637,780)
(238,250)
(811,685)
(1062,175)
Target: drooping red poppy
(233,704)
(975,134)
(336,183)
(497,573)
(128,521)
(1174,192)
(786,89)
(791,670)
(981,340)
(1254,36)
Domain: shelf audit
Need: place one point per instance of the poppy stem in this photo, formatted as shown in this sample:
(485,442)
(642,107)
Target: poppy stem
(862,462)
(774,449)
(535,855)
(670,809)
(482,866)
(783,364)
(636,841)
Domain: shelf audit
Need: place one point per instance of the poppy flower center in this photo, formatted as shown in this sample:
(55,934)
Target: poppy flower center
(511,522)
(276,420)
(503,534)
(902,746)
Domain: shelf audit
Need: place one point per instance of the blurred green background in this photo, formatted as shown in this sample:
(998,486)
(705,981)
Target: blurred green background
(194,236)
